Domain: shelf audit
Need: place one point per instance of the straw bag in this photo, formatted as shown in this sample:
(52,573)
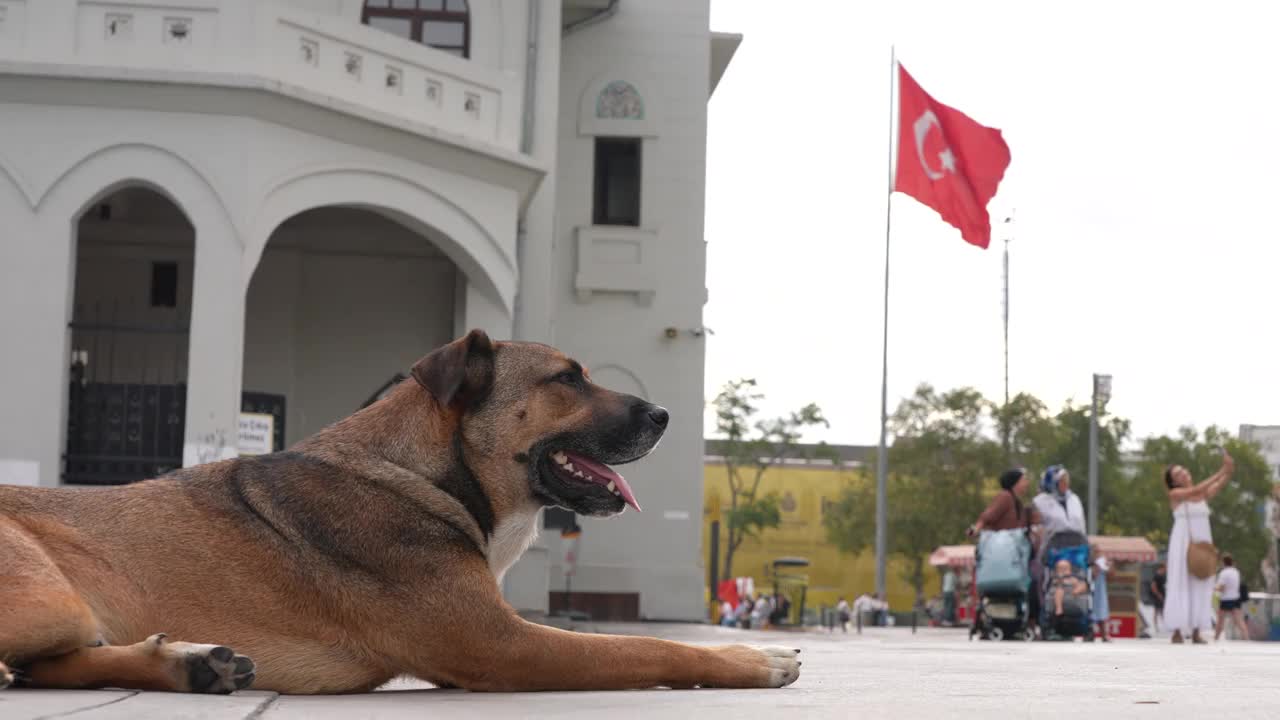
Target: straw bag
(1202,557)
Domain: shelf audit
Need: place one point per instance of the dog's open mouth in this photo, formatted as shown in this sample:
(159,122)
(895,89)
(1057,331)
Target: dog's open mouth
(574,468)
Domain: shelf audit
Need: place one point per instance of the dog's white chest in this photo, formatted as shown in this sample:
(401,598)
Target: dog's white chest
(511,537)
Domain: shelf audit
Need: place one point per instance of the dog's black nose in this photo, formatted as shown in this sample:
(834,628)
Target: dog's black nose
(659,416)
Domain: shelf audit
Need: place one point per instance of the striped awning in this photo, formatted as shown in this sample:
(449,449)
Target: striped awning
(1117,549)
(952,556)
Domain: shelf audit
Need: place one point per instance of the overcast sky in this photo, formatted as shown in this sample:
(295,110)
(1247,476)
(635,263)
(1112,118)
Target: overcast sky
(1145,177)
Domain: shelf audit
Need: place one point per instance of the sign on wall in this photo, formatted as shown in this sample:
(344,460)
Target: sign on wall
(257,433)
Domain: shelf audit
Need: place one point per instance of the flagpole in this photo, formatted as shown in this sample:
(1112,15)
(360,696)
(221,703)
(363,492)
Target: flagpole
(882,459)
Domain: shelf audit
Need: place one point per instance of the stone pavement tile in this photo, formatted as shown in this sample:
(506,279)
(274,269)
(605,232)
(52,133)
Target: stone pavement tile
(20,704)
(181,706)
(879,674)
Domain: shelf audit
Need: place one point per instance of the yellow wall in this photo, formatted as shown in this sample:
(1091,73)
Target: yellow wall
(804,492)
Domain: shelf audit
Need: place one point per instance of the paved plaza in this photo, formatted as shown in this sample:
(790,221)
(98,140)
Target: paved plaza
(883,673)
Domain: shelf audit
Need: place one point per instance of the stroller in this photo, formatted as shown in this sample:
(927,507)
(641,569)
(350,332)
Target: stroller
(1003,582)
(1076,620)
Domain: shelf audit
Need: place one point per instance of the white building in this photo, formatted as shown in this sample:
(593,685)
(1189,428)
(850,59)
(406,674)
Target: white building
(209,206)
(1267,438)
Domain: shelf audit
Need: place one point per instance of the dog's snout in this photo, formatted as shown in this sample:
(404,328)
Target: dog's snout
(659,416)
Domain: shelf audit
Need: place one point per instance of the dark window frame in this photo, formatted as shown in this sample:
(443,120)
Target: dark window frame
(601,181)
(418,17)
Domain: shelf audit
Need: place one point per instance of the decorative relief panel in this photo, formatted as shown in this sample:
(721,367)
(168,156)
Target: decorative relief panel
(613,259)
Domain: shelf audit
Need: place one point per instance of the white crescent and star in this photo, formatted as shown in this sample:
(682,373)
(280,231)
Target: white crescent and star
(923,124)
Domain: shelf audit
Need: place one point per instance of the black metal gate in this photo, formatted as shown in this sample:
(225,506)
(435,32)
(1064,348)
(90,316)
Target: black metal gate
(128,399)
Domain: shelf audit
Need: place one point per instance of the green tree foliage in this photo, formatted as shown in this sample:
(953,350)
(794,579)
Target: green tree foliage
(751,447)
(949,447)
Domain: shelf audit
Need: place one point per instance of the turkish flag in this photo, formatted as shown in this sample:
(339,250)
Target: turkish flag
(947,161)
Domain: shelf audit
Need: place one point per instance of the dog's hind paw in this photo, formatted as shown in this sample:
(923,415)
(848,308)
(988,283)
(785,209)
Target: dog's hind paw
(205,668)
(6,676)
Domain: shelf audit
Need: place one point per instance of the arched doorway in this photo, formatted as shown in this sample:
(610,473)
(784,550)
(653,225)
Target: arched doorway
(129,332)
(341,300)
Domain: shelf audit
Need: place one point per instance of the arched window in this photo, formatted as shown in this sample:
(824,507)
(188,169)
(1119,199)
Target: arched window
(442,24)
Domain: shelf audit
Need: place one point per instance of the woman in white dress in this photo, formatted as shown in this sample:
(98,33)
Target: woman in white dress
(1188,606)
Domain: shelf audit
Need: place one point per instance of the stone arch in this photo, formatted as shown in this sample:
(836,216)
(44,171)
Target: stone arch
(110,168)
(457,233)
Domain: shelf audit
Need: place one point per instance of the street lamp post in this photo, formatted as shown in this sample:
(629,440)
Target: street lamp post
(1101,394)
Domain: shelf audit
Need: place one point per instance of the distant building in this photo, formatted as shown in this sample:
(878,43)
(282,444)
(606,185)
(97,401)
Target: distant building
(808,488)
(1267,438)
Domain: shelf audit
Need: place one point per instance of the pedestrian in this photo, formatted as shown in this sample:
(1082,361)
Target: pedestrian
(760,613)
(1229,600)
(726,614)
(1058,507)
(1158,582)
(842,613)
(1006,512)
(742,614)
(1188,606)
(949,597)
(863,606)
(1101,606)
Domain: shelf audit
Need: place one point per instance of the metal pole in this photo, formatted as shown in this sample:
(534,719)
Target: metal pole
(1007,238)
(882,460)
(1093,461)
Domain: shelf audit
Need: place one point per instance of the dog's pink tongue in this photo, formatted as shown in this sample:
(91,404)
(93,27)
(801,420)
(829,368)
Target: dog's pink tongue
(603,474)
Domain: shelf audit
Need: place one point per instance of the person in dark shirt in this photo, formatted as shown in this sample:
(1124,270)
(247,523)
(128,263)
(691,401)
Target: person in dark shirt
(1157,592)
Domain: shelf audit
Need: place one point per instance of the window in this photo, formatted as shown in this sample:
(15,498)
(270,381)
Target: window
(164,284)
(442,24)
(617,182)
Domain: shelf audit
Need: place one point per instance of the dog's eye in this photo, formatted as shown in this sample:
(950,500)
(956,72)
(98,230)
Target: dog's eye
(570,377)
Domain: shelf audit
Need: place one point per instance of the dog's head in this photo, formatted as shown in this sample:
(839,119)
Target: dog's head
(533,425)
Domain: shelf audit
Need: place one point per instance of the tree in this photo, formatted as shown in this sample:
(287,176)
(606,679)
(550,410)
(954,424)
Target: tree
(1028,432)
(1071,450)
(751,447)
(942,462)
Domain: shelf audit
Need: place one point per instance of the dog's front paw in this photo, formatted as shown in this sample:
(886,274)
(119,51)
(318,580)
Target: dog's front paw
(203,668)
(758,666)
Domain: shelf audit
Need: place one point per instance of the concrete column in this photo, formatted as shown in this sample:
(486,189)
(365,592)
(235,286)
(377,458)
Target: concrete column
(35,294)
(216,348)
(536,299)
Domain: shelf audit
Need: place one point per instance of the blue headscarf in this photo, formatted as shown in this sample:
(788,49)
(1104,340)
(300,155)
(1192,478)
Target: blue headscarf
(1049,483)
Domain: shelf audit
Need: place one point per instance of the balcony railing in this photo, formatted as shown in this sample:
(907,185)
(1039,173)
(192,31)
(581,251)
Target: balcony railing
(329,61)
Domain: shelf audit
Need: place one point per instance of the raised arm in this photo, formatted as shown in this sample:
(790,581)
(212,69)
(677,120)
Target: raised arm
(1208,488)
(1220,478)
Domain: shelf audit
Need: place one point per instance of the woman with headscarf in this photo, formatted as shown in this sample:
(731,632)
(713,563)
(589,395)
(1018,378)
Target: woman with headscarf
(1058,507)
(1005,511)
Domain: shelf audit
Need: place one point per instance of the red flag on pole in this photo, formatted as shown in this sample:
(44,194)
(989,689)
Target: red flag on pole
(948,161)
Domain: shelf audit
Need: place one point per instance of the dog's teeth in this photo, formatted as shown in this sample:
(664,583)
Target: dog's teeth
(578,474)
(611,486)
(569,467)
(560,458)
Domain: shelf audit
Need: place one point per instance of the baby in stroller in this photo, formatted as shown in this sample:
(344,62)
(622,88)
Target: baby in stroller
(1066,588)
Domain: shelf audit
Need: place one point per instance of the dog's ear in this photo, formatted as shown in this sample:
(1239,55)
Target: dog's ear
(460,373)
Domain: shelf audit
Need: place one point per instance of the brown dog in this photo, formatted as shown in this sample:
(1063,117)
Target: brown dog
(367,551)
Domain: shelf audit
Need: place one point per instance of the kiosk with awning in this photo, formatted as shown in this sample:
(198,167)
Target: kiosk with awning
(1126,555)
